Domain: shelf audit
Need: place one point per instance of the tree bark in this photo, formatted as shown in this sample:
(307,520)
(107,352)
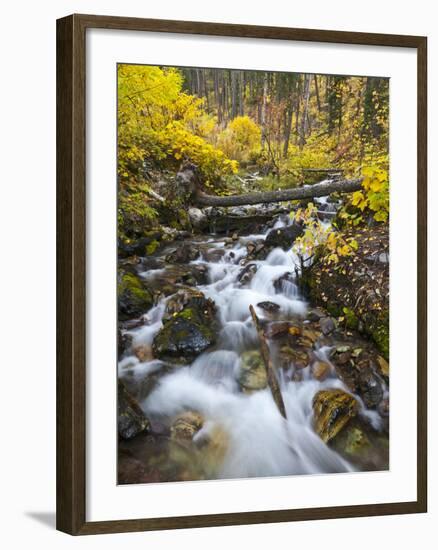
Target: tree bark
(303,129)
(263,111)
(305,192)
(318,101)
(270,372)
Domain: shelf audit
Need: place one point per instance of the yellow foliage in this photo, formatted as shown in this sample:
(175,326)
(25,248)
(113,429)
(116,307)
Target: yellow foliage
(330,243)
(159,122)
(240,139)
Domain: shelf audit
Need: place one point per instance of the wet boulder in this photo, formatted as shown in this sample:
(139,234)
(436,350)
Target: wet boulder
(332,410)
(134,298)
(123,342)
(247,273)
(192,298)
(212,254)
(320,370)
(144,246)
(269,307)
(130,419)
(252,375)
(315,314)
(294,356)
(285,284)
(139,385)
(284,237)
(188,332)
(328,325)
(359,373)
(198,218)
(281,328)
(183,254)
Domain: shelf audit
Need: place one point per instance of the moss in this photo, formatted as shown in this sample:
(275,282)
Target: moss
(332,309)
(152,247)
(356,441)
(134,299)
(186,334)
(351,320)
(186,313)
(332,410)
(381,337)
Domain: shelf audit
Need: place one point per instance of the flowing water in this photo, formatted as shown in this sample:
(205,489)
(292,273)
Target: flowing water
(258,440)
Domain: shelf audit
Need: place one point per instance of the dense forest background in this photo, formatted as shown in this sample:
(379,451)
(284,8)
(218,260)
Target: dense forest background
(280,126)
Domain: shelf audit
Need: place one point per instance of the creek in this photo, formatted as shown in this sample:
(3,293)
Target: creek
(241,433)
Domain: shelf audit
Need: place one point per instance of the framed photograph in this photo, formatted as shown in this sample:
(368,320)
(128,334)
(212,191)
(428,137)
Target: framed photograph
(241,256)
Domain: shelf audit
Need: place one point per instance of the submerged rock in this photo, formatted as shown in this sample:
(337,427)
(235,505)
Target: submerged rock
(131,420)
(253,375)
(363,446)
(332,410)
(285,283)
(186,425)
(284,237)
(143,353)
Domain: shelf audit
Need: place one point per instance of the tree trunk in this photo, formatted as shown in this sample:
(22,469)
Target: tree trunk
(303,129)
(263,111)
(318,101)
(306,192)
(234,111)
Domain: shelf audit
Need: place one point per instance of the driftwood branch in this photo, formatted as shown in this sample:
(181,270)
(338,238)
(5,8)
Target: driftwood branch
(305,192)
(272,378)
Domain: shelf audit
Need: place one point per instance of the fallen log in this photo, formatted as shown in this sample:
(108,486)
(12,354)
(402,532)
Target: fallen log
(272,377)
(305,192)
(327,170)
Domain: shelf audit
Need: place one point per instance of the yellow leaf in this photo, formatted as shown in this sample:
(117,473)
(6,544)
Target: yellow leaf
(357,198)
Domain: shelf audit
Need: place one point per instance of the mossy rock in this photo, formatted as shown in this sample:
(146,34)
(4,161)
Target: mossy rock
(134,299)
(361,445)
(332,410)
(284,237)
(144,245)
(188,332)
(131,420)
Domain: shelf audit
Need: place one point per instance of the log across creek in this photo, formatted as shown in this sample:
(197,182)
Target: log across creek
(305,192)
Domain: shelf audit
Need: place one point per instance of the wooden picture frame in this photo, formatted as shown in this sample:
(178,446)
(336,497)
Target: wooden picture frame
(71,273)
